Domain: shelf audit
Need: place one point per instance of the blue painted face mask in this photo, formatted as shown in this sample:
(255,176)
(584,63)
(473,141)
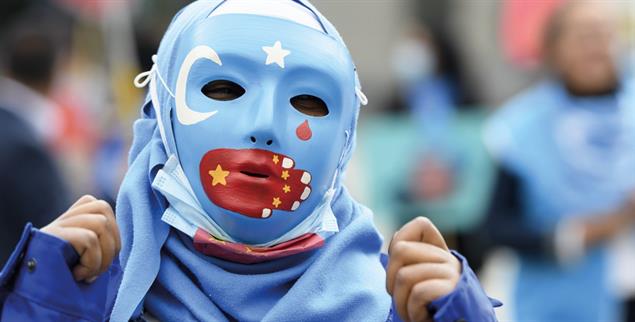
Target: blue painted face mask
(261,124)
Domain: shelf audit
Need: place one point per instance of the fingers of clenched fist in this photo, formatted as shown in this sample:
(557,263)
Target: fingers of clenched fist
(421,269)
(89,226)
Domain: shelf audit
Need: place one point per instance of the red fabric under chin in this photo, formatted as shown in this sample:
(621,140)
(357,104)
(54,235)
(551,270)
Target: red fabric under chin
(241,253)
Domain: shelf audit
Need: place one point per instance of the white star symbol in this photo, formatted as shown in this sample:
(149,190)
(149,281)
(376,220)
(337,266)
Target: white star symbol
(275,54)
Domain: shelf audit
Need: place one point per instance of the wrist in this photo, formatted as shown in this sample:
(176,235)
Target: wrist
(468,301)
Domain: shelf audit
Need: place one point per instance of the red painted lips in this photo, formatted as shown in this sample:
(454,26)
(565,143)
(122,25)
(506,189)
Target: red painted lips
(253,182)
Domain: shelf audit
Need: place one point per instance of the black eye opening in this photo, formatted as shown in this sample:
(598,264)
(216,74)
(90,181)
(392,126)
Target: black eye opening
(222,90)
(309,105)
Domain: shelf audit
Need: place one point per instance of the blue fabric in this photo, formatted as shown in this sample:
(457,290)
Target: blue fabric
(57,299)
(8,271)
(342,279)
(466,302)
(324,285)
(47,290)
(575,158)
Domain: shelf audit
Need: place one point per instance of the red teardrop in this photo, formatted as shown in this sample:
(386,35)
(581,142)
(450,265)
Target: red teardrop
(304,131)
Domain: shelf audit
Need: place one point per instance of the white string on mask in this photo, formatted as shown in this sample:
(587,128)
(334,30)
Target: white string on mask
(361,96)
(143,78)
(146,78)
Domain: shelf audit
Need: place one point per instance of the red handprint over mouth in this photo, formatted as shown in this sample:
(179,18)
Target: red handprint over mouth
(253,182)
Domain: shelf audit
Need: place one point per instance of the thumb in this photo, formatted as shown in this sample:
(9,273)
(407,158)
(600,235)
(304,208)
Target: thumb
(421,229)
(83,200)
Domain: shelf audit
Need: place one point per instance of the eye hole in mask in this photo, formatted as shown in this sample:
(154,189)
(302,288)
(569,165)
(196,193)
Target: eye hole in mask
(222,90)
(309,105)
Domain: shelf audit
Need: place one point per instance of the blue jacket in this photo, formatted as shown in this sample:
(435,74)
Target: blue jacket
(37,284)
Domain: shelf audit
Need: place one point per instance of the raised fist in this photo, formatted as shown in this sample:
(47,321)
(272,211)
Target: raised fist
(89,226)
(421,269)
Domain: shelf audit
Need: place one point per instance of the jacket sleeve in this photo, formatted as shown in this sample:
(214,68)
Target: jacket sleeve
(466,303)
(36,284)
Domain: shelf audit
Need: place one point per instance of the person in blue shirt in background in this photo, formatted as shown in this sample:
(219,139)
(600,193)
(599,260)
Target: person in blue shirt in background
(566,184)
(233,207)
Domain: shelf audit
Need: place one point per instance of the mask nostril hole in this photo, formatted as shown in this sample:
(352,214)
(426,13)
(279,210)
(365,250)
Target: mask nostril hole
(269,142)
(253,139)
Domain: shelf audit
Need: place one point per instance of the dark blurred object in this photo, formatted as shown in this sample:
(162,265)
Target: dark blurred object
(33,39)
(32,188)
(31,60)
(10,8)
(19,19)
(150,22)
(440,56)
(630,310)
(437,17)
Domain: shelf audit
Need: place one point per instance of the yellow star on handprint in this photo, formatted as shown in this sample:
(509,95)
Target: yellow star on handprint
(218,176)
(276,202)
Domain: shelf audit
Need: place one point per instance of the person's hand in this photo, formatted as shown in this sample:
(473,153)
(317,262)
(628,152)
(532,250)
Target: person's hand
(599,228)
(420,270)
(89,226)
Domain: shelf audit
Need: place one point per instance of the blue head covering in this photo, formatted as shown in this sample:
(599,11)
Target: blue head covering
(343,280)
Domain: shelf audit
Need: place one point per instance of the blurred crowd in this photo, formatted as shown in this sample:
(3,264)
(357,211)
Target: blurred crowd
(516,137)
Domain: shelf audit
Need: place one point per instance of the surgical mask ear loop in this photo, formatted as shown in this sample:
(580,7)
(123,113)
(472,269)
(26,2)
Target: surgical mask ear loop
(341,160)
(149,78)
(363,100)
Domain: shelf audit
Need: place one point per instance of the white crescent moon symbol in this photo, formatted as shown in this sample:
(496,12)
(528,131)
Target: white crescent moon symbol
(184,113)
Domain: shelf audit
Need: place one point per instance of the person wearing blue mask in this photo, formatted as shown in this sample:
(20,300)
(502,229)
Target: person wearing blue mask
(566,185)
(233,207)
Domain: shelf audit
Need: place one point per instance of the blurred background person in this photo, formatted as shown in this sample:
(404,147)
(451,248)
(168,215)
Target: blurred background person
(67,101)
(32,188)
(425,151)
(565,183)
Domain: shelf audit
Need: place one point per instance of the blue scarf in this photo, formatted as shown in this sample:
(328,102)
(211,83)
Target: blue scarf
(343,280)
